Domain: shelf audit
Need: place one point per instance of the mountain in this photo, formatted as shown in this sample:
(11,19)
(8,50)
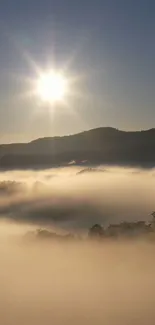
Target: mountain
(96,146)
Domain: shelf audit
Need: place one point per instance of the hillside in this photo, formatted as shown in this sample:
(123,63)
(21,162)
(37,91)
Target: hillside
(97,146)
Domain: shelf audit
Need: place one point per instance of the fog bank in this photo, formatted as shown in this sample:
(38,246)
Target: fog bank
(78,283)
(76,198)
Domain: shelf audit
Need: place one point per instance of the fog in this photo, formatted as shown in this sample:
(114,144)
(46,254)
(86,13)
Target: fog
(80,281)
(75,197)
(77,283)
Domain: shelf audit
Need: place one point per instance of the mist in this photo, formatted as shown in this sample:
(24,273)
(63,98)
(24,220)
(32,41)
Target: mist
(77,283)
(75,198)
(80,281)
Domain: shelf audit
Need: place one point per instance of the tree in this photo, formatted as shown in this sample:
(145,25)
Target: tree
(96,231)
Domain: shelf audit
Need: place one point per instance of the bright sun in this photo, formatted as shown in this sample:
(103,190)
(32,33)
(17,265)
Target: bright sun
(52,87)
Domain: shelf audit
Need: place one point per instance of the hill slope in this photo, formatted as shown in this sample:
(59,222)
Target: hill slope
(98,146)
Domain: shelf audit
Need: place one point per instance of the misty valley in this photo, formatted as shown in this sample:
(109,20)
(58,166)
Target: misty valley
(77,162)
(77,246)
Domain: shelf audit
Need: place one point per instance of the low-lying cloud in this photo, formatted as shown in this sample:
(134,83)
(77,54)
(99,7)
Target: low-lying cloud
(79,281)
(75,198)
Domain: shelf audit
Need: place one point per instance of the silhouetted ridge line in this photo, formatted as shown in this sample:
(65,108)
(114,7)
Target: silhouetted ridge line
(97,146)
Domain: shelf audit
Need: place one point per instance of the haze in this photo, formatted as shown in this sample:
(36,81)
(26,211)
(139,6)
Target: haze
(81,281)
(106,45)
(72,249)
(75,197)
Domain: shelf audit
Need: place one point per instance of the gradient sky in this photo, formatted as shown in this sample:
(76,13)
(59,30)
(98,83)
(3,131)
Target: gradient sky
(108,44)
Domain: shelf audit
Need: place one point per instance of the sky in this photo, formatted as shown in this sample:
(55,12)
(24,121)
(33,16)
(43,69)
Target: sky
(106,46)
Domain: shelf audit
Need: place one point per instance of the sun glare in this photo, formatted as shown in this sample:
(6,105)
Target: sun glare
(52,87)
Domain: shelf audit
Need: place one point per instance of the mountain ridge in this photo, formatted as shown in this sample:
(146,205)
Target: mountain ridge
(78,133)
(105,145)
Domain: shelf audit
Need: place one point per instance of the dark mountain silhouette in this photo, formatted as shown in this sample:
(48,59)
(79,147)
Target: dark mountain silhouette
(97,146)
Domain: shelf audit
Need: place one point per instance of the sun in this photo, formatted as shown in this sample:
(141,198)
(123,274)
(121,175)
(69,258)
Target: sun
(52,87)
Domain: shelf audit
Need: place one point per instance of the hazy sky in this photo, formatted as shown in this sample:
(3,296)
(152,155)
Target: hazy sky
(108,44)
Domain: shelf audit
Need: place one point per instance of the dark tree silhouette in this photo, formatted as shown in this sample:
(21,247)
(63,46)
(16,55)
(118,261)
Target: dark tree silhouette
(96,231)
